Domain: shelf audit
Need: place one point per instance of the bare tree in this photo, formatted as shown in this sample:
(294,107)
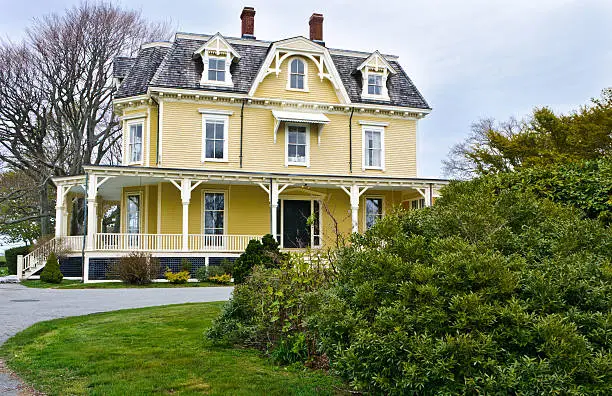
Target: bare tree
(56,90)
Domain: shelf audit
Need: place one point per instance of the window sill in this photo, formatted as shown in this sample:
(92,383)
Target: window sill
(205,160)
(217,83)
(378,168)
(376,97)
(302,164)
(297,89)
(134,163)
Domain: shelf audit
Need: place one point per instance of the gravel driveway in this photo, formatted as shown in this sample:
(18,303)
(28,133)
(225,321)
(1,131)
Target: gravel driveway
(21,306)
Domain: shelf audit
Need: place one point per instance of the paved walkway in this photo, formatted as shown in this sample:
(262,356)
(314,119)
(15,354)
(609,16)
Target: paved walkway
(21,307)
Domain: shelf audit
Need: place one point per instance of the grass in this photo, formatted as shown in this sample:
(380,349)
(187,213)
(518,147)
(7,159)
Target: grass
(158,350)
(77,284)
(3,271)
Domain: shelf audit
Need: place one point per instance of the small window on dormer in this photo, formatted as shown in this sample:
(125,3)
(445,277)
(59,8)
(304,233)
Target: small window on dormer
(216,69)
(297,74)
(375,84)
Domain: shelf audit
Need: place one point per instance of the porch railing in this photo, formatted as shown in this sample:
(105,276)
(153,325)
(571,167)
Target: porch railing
(140,242)
(172,242)
(226,243)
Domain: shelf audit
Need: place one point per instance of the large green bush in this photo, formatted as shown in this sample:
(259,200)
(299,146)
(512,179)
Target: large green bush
(51,273)
(265,252)
(11,257)
(492,290)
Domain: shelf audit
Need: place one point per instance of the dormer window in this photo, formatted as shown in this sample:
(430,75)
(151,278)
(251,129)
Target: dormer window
(297,75)
(375,71)
(375,83)
(217,57)
(216,69)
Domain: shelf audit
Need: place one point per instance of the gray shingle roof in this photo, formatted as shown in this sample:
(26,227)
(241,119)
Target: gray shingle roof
(176,67)
(143,68)
(121,66)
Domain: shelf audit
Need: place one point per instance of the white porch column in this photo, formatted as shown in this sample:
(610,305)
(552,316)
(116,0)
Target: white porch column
(60,209)
(274,193)
(185,198)
(19,267)
(354,193)
(354,198)
(92,212)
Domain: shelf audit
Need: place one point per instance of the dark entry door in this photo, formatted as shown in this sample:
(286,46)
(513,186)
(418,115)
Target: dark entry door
(296,231)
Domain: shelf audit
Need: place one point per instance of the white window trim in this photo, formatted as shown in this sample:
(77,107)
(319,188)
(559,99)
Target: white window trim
(225,211)
(410,201)
(140,211)
(128,154)
(206,56)
(364,91)
(215,117)
(365,208)
(289,88)
(372,128)
(307,126)
(281,229)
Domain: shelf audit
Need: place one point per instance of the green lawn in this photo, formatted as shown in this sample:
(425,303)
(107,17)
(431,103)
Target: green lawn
(4,271)
(158,350)
(76,284)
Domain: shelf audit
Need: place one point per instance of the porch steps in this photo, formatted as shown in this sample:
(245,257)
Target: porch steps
(36,260)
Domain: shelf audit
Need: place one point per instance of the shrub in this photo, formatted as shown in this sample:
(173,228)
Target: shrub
(202,274)
(137,268)
(490,291)
(186,265)
(11,257)
(51,272)
(180,277)
(264,252)
(223,279)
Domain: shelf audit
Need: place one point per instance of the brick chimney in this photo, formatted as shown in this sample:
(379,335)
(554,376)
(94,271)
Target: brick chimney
(248,22)
(316,28)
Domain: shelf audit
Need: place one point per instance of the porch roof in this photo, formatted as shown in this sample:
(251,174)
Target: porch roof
(149,175)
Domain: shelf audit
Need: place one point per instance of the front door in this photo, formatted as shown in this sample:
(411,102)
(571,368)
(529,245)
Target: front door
(296,231)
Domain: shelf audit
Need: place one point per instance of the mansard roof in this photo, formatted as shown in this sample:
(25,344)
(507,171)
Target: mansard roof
(176,67)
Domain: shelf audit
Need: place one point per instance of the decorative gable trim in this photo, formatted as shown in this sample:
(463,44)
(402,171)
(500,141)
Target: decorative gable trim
(375,64)
(281,51)
(217,47)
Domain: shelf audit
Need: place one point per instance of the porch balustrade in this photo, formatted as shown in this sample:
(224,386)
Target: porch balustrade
(171,242)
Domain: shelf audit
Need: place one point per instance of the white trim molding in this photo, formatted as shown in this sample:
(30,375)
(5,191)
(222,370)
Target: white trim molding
(127,157)
(301,46)
(216,118)
(217,48)
(377,65)
(378,129)
(307,153)
(305,64)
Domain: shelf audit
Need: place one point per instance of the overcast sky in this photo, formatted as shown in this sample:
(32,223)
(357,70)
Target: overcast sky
(469,58)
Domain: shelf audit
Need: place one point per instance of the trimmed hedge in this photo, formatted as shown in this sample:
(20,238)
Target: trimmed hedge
(11,257)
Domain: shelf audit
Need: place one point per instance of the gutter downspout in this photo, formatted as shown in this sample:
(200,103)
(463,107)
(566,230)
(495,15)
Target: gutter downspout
(241,128)
(351,140)
(85,214)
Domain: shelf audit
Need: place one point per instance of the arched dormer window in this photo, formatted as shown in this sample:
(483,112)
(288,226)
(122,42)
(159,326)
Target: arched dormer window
(297,75)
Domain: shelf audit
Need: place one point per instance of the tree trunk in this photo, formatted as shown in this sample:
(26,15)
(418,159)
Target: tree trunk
(45,226)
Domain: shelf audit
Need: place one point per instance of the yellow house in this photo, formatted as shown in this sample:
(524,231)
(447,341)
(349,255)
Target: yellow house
(227,139)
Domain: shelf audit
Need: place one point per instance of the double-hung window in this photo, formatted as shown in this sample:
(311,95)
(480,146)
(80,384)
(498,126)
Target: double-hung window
(298,145)
(214,142)
(214,213)
(297,74)
(375,84)
(133,214)
(417,203)
(373,148)
(216,69)
(135,143)
(373,211)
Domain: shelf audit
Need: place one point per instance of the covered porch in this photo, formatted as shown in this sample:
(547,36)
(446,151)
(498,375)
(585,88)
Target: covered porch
(123,209)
